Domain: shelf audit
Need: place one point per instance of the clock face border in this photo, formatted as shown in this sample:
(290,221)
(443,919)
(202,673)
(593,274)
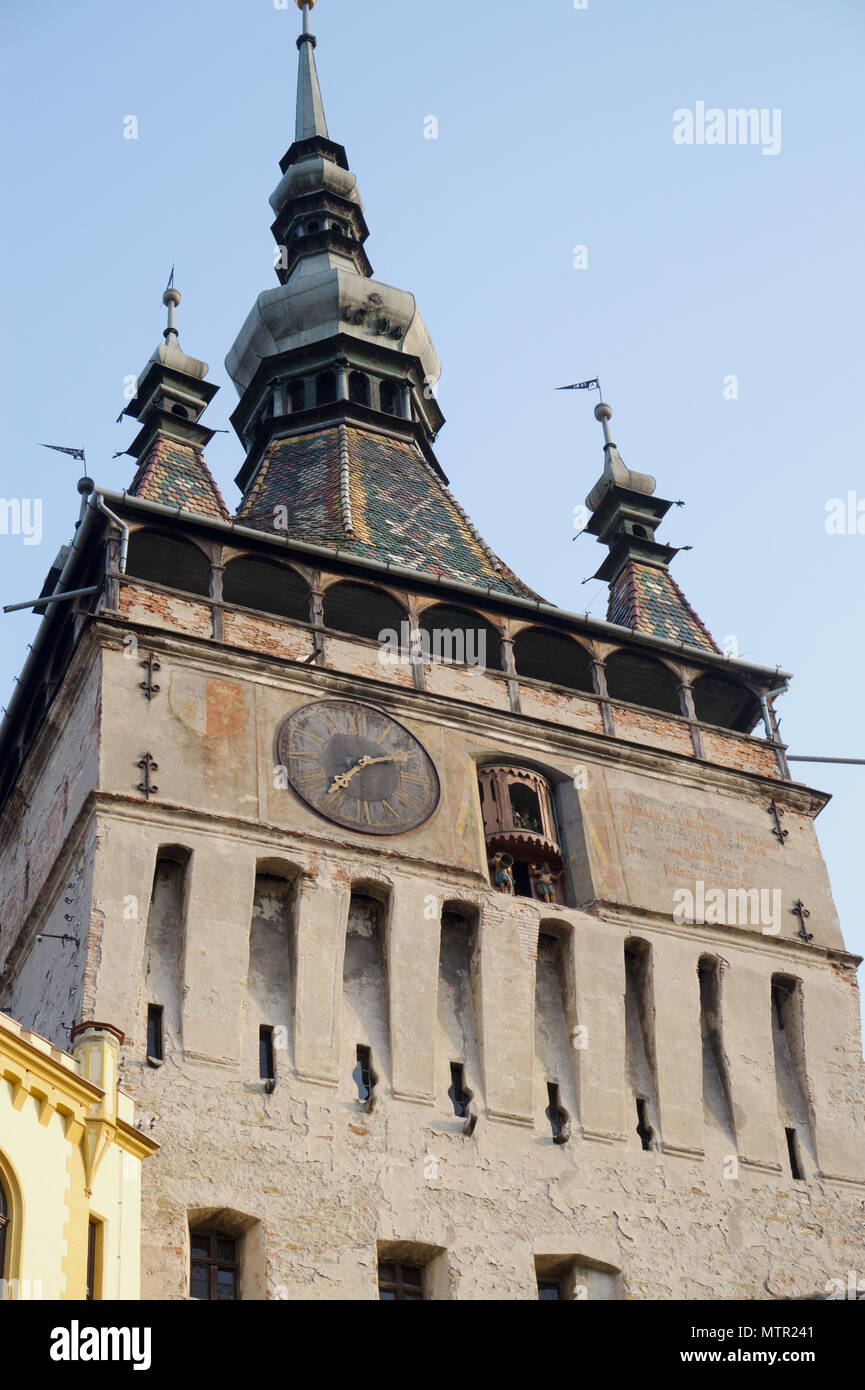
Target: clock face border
(284,759)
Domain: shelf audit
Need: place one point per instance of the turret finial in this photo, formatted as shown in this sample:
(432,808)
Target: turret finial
(171,299)
(604,413)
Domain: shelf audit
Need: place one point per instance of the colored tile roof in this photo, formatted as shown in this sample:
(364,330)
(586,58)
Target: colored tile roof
(176,475)
(648,599)
(376,497)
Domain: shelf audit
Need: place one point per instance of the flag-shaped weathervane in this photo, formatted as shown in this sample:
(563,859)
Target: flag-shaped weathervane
(593,385)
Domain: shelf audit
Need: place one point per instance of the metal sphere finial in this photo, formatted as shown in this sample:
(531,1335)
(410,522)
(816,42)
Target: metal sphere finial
(603,411)
(301,3)
(171,296)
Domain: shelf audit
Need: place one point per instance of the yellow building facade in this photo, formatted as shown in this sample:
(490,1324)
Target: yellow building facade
(70,1168)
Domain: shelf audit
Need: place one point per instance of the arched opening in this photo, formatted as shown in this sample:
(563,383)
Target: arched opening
(363,611)
(521,833)
(11,1223)
(459,636)
(325,388)
(296,396)
(640,680)
(312,227)
(725,702)
(387,397)
(4,1224)
(267,586)
(168,560)
(358,388)
(180,410)
(548,656)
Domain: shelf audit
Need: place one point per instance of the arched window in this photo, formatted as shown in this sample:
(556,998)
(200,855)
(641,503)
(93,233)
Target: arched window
(460,636)
(640,680)
(358,388)
(387,397)
(267,586)
(4,1226)
(312,227)
(296,396)
(548,656)
(325,388)
(168,560)
(727,703)
(363,611)
(521,834)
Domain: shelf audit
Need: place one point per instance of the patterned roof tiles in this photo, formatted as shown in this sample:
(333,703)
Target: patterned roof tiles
(400,510)
(176,475)
(648,599)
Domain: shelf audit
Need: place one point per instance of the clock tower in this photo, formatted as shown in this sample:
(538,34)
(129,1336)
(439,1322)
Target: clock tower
(463,947)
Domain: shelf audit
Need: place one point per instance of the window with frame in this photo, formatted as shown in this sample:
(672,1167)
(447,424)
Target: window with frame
(214,1274)
(550,1290)
(94,1260)
(400,1283)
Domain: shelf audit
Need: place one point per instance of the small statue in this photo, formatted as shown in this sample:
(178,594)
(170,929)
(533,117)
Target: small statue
(501,868)
(545,881)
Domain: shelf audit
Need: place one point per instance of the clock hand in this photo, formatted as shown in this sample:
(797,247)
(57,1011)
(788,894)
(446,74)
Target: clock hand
(342,779)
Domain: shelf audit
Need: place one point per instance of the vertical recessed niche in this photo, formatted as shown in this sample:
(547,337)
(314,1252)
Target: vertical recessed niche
(791,1078)
(457,1030)
(556,1039)
(640,1061)
(164,944)
(365,992)
(717,1090)
(269,973)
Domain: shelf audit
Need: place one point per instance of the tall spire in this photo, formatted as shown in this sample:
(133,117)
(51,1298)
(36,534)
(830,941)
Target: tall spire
(310,107)
(625,516)
(171,396)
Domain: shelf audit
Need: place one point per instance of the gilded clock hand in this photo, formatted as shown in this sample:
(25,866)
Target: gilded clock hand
(342,779)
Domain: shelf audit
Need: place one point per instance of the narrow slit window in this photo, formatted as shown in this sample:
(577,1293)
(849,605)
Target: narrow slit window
(793,1152)
(460,1097)
(554,1110)
(362,1074)
(154,1033)
(778,1001)
(94,1233)
(644,1127)
(266,1069)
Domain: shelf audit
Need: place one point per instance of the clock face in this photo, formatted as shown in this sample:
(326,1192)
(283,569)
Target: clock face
(358,767)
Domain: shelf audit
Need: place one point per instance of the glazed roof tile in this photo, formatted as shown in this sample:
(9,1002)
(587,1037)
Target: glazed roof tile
(376,497)
(648,599)
(177,476)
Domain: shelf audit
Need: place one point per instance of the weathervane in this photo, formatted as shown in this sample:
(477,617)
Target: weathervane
(603,412)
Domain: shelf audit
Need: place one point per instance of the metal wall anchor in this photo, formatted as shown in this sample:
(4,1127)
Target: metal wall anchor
(147,765)
(803,914)
(149,664)
(779,833)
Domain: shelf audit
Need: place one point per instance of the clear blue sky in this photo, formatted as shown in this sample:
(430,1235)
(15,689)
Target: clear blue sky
(555,130)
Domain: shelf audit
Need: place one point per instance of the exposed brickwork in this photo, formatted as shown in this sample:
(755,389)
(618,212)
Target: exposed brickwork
(643,726)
